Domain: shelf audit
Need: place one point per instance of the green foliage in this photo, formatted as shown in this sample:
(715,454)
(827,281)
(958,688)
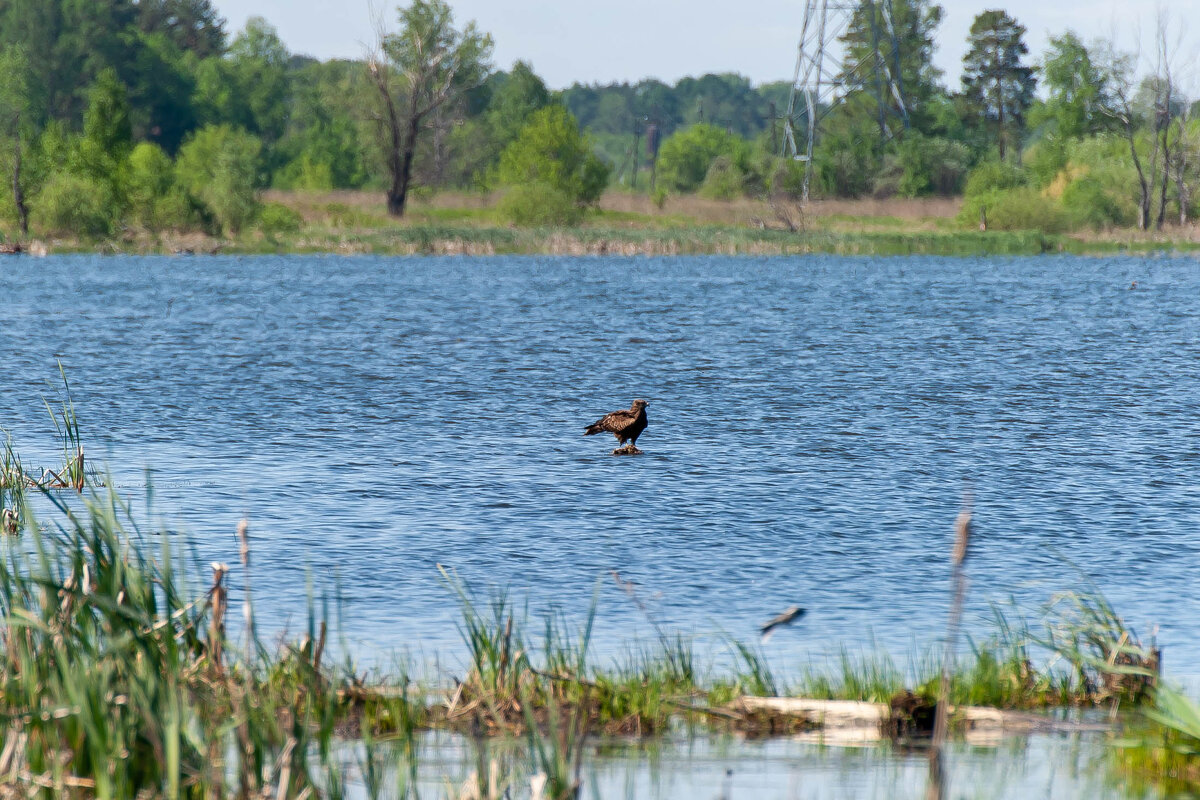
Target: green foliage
(277,218)
(74,205)
(685,158)
(218,167)
(250,89)
(994,176)
(915,23)
(1088,204)
(847,158)
(785,178)
(924,165)
(1020,209)
(107,134)
(724,181)
(326,146)
(153,200)
(1078,91)
(550,171)
(996,84)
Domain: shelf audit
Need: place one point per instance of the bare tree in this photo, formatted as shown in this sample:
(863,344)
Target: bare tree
(1118,70)
(417,71)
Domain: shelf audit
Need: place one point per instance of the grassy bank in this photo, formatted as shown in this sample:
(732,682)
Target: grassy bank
(449,224)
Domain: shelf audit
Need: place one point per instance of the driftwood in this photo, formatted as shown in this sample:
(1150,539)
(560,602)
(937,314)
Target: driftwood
(851,722)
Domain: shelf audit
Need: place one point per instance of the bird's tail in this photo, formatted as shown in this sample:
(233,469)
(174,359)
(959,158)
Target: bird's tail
(593,428)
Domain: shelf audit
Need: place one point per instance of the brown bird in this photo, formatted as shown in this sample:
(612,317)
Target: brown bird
(625,425)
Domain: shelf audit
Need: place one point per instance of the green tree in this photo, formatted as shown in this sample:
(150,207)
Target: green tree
(102,153)
(1077,90)
(686,156)
(192,26)
(998,86)
(476,145)
(419,69)
(517,98)
(153,199)
(251,87)
(550,170)
(908,57)
(218,166)
(16,127)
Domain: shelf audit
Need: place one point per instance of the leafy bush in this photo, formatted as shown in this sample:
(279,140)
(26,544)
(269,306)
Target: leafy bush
(1020,209)
(786,178)
(930,165)
(846,160)
(73,205)
(686,156)
(540,203)
(1046,159)
(724,180)
(1088,204)
(278,218)
(154,201)
(993,176)
(550,171)
(218,167)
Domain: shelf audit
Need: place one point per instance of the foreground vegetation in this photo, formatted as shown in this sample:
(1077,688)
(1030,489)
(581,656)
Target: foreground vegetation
(120,675)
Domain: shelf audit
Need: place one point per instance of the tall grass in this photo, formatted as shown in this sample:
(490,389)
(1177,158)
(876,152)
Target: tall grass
(117,679)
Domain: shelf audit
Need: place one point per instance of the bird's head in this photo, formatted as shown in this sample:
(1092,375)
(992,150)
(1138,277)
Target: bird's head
(638,405)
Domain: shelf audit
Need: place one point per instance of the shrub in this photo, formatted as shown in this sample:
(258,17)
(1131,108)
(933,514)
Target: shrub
(550,171)
(686,156)
(540,203)
(154,201)
(724,180)
(930,165)
(218,167)
(278,218)
(994,176)
(73,205)
(786,178)
(1087,204)
(1020,209)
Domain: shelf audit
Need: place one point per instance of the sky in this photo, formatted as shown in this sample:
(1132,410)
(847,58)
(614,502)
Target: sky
(601,41)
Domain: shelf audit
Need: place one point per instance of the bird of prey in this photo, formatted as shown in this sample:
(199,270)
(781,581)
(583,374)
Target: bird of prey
(626,425)
(789,616)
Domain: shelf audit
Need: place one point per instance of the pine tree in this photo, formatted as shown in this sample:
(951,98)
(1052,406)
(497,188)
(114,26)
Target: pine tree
(998,87)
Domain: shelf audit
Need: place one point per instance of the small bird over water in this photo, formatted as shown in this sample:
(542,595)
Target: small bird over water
(789,616)
(625,425)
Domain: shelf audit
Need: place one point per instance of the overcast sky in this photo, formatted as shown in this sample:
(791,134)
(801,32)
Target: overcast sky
(626,40)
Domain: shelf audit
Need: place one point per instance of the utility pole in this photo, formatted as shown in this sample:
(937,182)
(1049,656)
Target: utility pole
(823,79)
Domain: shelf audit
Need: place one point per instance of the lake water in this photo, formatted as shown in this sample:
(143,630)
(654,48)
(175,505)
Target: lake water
(813,424)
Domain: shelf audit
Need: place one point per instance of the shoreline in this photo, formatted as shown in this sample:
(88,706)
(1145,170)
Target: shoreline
(485,242)
(356,223)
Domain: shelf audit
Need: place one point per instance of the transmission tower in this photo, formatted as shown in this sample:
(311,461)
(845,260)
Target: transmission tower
(823,78)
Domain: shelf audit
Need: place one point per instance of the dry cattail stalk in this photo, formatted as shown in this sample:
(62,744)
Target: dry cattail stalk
(216,631)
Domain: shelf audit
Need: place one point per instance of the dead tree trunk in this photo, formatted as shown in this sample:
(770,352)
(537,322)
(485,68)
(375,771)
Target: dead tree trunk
(1183,189)
(1163,124)
(18,189)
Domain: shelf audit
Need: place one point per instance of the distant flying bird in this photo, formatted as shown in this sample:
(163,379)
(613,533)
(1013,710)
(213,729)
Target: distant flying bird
(625,425)
(789,616)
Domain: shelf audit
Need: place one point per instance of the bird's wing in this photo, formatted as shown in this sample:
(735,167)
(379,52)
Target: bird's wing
(616,421)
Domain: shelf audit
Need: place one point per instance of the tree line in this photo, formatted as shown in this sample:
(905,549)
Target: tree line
(150,115)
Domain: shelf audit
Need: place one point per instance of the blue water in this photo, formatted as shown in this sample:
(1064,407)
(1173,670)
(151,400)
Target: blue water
(814,422)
